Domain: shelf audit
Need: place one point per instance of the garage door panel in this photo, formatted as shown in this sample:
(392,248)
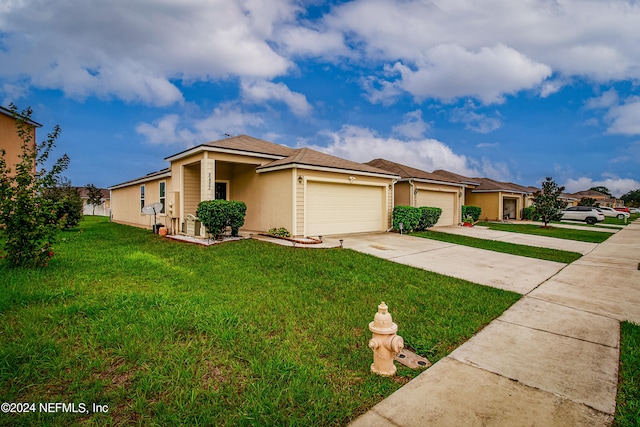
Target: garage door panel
(439,199)
(343,208)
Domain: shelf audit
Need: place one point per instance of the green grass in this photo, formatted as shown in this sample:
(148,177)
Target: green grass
(242,333)
(560,233)
(505,247)
(628,400)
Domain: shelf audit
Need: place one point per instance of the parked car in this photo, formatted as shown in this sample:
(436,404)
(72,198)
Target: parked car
(623,209)
(634,210)
(610,212)
(588,214)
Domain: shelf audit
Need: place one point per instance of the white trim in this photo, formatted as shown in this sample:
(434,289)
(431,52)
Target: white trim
(206,149)
(141,180)
(499,191)
(323,169)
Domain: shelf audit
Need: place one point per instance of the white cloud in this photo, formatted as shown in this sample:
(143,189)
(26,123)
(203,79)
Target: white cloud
(173,129)
(466,48)
(133,50)
(260,91)
(362,144)
(473,121)
(617,186)
(413,126)
(488,145)
(451,71)
(606,100)
(625,118)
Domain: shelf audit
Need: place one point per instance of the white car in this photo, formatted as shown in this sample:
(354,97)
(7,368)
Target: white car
(613,213)
(634,210)
(588,214)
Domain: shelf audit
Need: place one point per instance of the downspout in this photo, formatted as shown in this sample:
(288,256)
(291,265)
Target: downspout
(393,202)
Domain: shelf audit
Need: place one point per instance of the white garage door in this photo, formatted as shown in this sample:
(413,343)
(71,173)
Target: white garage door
(442,200)
(343,208)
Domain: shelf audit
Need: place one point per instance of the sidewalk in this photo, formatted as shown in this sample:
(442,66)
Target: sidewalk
(549,360)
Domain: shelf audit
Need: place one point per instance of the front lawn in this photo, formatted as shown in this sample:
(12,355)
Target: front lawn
(242,333)
(628,399)
(561,233)
(504,247)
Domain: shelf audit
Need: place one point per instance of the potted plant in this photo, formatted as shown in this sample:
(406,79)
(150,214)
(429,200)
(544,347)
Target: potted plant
(468,221)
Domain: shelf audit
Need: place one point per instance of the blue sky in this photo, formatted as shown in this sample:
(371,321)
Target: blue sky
(511,90)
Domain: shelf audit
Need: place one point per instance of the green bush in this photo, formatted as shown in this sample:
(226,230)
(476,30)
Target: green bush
(237,212)
(216,215)
(279,232)
(472,211)
(67,202)
(428,217)
(408,216)
(530,213)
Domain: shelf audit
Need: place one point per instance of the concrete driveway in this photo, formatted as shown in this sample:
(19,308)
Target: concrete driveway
(503,271)
(520,238)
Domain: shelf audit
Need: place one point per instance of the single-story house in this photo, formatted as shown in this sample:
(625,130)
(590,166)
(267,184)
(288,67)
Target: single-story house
(307,192)
(419,188)
(498,200)
(103,209)
(601,199)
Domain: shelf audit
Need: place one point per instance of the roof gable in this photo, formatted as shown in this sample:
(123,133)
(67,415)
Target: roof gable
(309,157)
(407,171)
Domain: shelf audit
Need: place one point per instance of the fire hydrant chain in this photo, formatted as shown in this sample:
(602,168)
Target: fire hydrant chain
(385,342)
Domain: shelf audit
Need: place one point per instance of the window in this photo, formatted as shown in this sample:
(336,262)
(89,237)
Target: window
(163,185)
(141,197)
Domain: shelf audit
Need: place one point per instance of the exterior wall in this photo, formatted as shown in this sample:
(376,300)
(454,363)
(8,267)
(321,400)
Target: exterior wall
(458,200)
(10,142)
(490,203)
(269,199)
(125,204)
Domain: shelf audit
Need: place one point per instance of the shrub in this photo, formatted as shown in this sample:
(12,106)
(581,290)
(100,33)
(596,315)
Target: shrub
(530,213)
(408,216)
(428,217)
(28,219)
(69,205)
(216,215)
(472,211)
(279,232)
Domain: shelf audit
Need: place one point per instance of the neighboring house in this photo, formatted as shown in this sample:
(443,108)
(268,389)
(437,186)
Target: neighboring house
(307,192)
(601,199)
(569,199)
(498,200)
(10,142)
(419,188)
(103,209)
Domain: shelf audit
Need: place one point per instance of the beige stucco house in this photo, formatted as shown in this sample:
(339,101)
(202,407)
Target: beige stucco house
(10,141)
(419,188)
(307,192)
(498,200)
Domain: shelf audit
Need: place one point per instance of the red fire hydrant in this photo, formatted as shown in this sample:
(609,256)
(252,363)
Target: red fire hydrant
(385,343)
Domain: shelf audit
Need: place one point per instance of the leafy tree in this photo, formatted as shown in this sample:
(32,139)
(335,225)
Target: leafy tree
(587,201)
(68,203)
(631,198)
(28,219)
(603,190)
(547,202)
(94,196)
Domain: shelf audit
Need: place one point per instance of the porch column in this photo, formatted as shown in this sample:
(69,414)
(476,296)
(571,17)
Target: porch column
(208,178)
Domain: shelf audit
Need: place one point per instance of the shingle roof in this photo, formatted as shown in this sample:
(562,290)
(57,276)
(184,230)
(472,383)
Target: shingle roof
(454,177)
(309,157)
(407,171)
(488,184)
(253,145)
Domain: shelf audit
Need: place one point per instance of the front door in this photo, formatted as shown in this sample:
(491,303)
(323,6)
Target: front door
(221,191)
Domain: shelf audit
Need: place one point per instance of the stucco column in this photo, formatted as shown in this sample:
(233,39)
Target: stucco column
(208,178)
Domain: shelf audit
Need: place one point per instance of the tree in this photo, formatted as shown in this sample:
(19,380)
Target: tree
(547,202)
(587,201)
(631,198)
(603,190)
(68,203)
(28,219)
(94,196)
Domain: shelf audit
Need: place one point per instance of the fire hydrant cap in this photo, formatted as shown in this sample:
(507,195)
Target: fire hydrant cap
(382,321)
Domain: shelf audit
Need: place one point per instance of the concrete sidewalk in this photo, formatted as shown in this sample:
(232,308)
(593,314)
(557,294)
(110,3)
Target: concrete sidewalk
(549,360)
